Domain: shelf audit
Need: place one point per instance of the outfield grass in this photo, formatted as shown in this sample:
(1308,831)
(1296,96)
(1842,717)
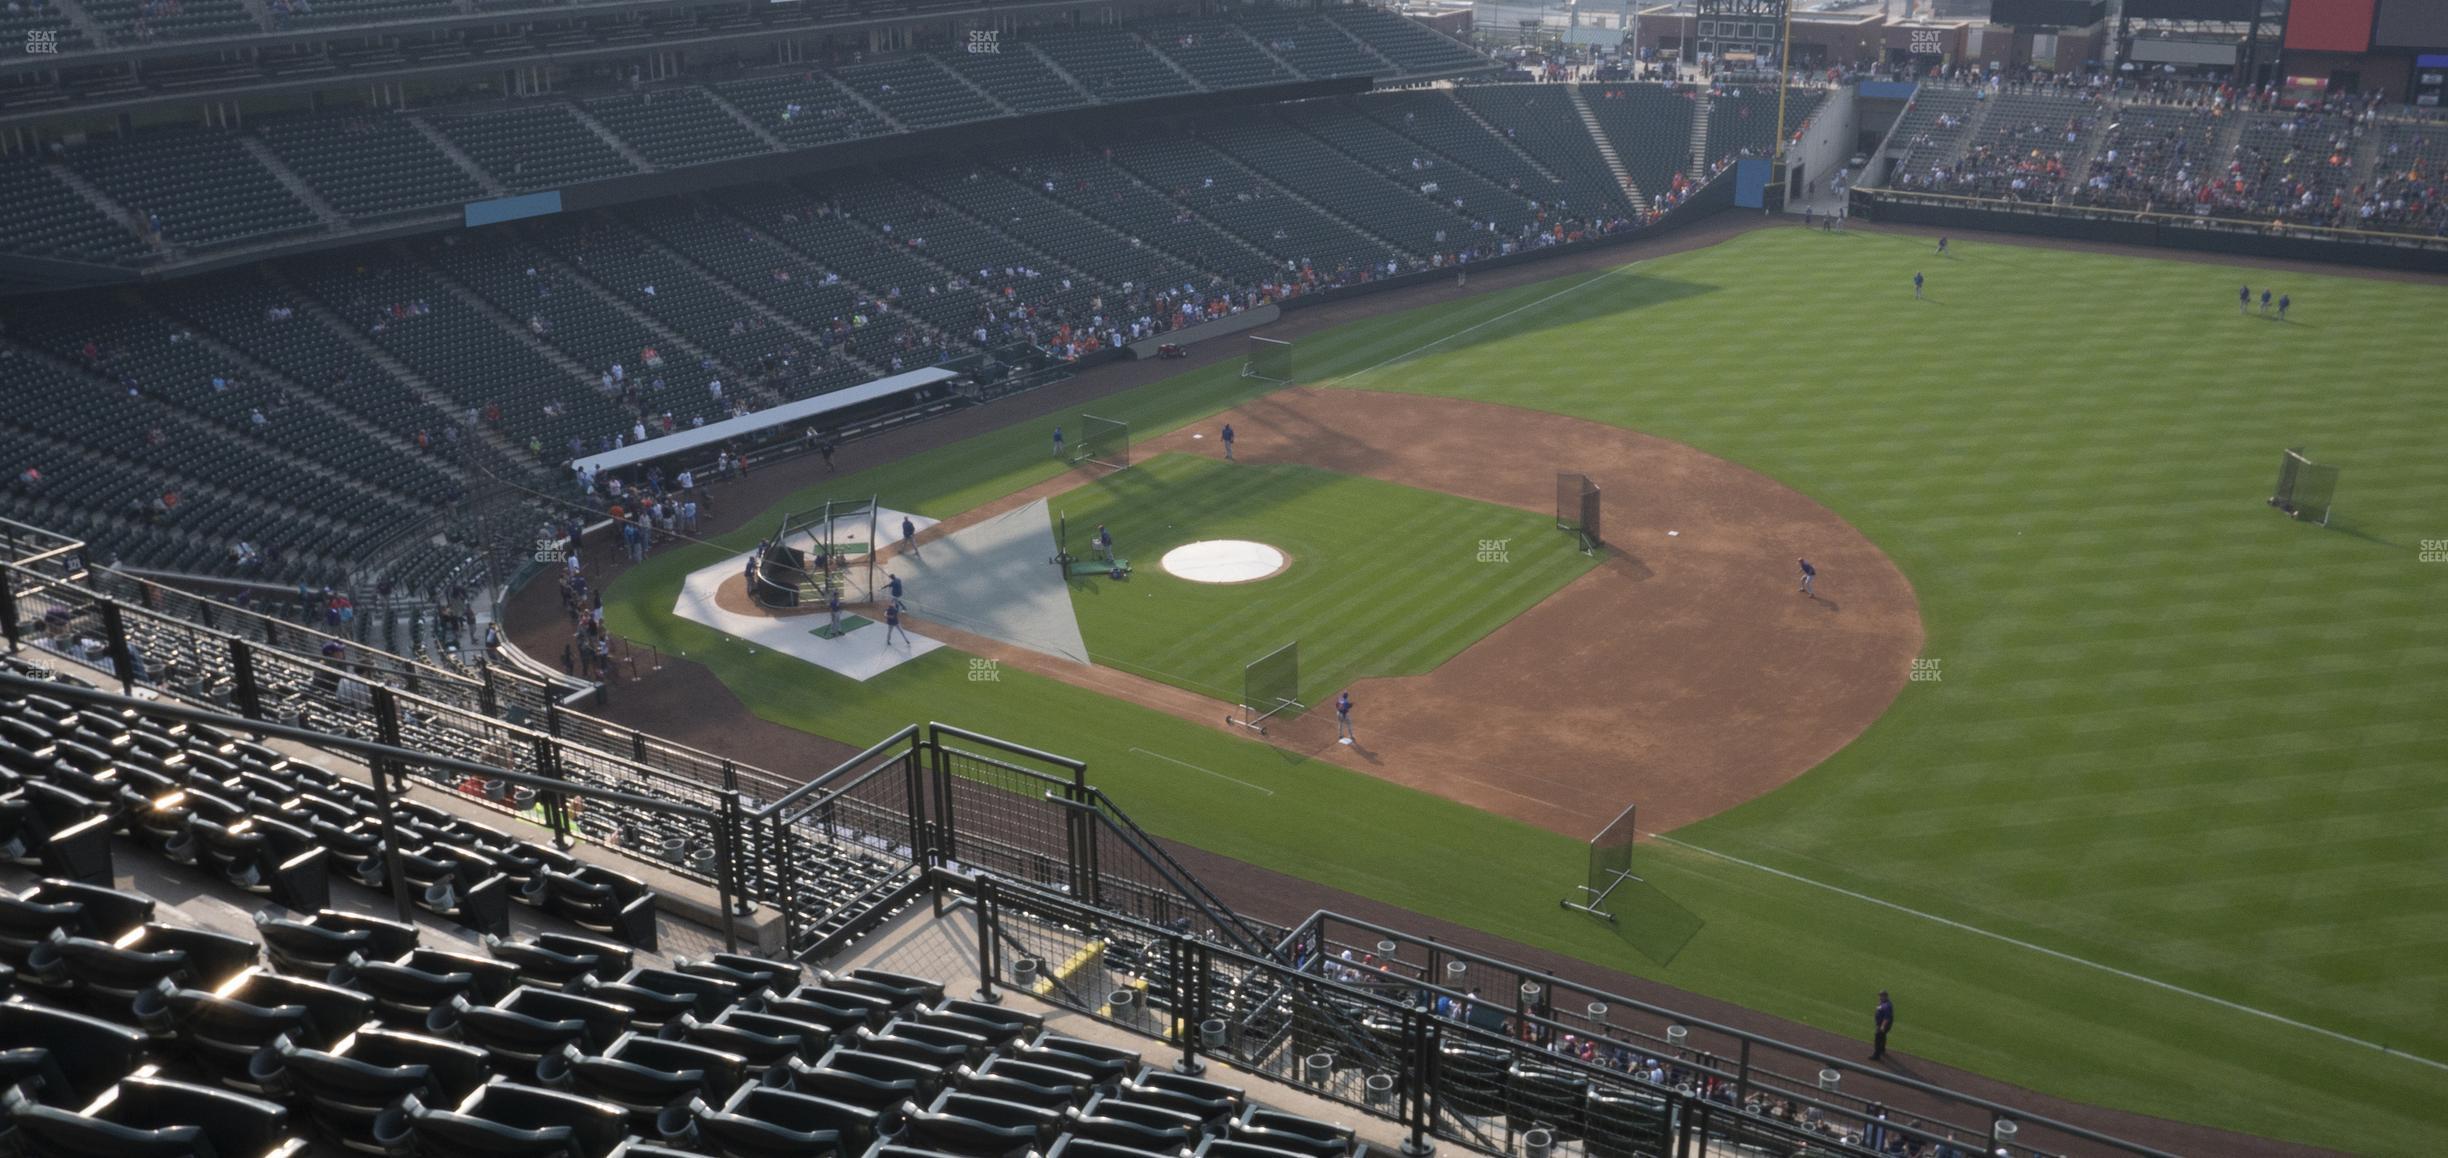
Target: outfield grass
(1384,580)
(2181,778)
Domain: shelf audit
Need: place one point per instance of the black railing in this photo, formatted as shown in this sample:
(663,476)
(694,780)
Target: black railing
(1510,1074)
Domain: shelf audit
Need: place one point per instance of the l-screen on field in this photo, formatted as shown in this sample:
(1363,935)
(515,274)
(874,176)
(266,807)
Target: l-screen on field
(1377,579)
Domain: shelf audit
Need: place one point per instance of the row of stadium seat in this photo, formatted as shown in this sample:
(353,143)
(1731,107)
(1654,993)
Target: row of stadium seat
(127,1032)
(361,360)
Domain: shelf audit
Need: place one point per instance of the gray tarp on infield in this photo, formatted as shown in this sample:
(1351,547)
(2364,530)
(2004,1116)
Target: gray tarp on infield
(997,579)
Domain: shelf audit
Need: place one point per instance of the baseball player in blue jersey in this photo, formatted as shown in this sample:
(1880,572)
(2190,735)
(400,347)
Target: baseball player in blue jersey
(892,623)
(833,609)
(1228,441)
(909,537)
(892,586)
(1916,286)
(1058,441)
(1343,726)
(1808,573)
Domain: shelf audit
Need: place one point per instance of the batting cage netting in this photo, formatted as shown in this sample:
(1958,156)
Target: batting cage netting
(1577,508)
(1269,359)
(2305,488)
(1269,684)
(1103,441)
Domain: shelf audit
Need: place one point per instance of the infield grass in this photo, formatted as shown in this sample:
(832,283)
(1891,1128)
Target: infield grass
(2165,836)
(1384,580)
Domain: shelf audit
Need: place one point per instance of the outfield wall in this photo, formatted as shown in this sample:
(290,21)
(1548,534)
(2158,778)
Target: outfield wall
(2158,230)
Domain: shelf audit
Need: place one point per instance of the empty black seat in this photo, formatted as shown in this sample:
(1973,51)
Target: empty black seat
(760,1122)
(762,1039)
(346,1088)
(751,974)
(225,1030)
(531,1023)
(1281,1131)
(320,943)
(108,977)
(149,1117)
(602,901)
(515,1121)
(88,1053)
(556,959)
(644,1075)
(103,914)
(1136,1124)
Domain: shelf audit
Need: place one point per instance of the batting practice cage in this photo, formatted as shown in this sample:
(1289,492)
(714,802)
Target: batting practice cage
(1102,441)
(1610,865)
(1269,359)
(1269,684)
(816,553)
(2305,488)
(1577,508)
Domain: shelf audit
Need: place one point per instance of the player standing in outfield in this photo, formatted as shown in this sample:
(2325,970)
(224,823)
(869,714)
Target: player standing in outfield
(1881,1022)
(1343,726)
(2244,299)
(1058,440)
(1228,441)
(1942,247)
(2265,299)
(909,536)
(1916,287)
(1104,544)
(892,623)
(2283,302)
(1808,573)
(892,586)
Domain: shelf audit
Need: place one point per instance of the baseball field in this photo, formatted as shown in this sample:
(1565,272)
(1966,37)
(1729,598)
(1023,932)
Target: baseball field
(2129,787)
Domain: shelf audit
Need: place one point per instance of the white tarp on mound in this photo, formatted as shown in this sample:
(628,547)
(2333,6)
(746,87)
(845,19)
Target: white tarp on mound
(997,579)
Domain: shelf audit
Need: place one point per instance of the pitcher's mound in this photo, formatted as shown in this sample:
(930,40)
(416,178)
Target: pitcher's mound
(1224,561)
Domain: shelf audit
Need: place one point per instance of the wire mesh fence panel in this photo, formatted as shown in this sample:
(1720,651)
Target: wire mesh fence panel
(1104,441)
(996,818)
(1269,359)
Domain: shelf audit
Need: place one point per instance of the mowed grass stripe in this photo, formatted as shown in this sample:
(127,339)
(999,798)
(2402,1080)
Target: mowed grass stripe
(1384,580)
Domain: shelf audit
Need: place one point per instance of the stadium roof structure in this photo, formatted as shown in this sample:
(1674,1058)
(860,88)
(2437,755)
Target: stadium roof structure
(787,414)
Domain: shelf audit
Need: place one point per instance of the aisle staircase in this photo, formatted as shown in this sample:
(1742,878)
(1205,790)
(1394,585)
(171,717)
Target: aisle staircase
(1606,148)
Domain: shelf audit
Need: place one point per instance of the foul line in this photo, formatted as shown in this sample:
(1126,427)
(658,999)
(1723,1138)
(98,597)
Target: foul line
(1196,768)
(2058,954)
(1492,321)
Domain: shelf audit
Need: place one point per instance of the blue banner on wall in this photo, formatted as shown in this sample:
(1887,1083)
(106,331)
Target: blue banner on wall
(1888,90)
(502,209)
(1751,182)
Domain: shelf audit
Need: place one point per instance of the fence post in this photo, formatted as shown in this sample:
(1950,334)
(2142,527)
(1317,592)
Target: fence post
(785,886)
(1190,999)
(244,695)
(8,607)
(488,700)
(989,919)
(726,870)
(735,834)
(1742,1074)
(552,716)
(386,729)
(934,776)
(1419,1082)
(637,746)
(114,638)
